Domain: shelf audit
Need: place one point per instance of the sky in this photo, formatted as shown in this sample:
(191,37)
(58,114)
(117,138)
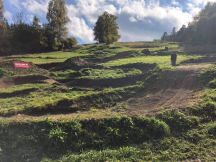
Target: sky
(138,20)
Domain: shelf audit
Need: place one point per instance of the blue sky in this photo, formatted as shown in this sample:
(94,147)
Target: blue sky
(138,20)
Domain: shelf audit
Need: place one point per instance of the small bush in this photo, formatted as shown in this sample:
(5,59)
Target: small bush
(177,120)
(208,110)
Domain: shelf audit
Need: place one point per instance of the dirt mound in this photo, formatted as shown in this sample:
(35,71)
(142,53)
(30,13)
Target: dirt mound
(21,93)
(49,66)
(72,62)
(34,69)
(7,82)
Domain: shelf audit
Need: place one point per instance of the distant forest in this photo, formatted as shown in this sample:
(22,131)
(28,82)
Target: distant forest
(201,31)
(21,37)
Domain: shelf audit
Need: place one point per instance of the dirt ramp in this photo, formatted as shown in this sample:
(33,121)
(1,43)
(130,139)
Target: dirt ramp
(71,63)
(7,82)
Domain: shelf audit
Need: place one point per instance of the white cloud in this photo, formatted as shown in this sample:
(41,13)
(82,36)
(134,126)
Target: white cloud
(132,19)
(8,15)
(30,18)
(80,29)
(14,3)
(202,2)
(35,7)
(110,8)
(174,2)
(147,22)
(193,9)
(137,19)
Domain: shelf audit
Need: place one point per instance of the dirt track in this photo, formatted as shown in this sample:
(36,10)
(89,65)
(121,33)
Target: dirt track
(7,82)
(179,90)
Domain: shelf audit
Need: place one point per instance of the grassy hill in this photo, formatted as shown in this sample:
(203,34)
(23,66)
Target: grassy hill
(109,103)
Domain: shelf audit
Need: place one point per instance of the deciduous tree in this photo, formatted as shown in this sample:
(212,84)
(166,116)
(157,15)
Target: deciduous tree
(106,29)
(58,19)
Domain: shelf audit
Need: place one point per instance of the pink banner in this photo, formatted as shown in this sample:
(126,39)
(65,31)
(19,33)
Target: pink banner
(21,65)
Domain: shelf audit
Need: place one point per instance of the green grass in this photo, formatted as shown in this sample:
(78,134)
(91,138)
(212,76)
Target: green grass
(37,101)
(89,50)
(168,136)
(168,149)
(160,60)
(108,74)
(5,73)
(24,86)
(51,57)
(89,73)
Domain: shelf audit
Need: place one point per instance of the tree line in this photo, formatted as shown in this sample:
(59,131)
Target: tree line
(202,30)
(21,37)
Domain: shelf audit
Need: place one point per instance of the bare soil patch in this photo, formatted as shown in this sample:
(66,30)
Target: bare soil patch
(176,90)
(18,80)
(21,93)
(206,59)
(71,63)
(49,66)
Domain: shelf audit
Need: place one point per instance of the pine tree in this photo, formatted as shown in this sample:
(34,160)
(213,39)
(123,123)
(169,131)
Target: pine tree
(106,29)
(58,19)
(164,37)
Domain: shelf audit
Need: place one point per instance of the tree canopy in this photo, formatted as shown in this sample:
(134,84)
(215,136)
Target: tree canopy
(200,31)
(58,19)
(36,22)
(106,29)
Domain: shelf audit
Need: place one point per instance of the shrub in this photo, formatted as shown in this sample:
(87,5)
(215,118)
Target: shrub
(176,120)
(208,109)
(69,43)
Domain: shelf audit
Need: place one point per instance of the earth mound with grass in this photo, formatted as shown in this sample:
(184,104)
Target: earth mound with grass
(8,65)
(72,62)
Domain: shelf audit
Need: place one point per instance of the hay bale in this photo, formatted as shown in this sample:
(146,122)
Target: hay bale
(147,51)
